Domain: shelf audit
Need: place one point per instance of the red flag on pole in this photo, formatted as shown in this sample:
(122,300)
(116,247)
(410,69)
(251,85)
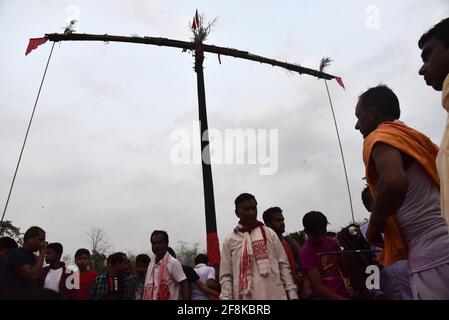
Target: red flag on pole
(196,20)
(340,82)
(34,43)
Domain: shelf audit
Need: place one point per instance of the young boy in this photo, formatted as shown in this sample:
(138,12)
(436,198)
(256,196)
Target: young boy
(206,275)
(138,281)
(54,276)
(86,276)
(321,270)
(113,284)
(7,244)
(194,279)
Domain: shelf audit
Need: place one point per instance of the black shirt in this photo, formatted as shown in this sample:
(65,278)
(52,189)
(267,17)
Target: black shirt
(13,285)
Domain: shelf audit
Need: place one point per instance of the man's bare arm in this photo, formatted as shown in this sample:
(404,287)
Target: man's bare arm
(391,189)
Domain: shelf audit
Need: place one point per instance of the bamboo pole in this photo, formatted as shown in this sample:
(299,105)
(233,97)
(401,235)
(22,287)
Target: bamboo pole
(213,248)
(199,48)
(56,37)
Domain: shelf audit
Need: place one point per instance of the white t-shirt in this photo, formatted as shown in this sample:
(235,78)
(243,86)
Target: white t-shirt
(52,279)
(205,273)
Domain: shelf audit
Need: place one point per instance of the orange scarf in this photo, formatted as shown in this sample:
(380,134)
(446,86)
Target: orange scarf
(417,146)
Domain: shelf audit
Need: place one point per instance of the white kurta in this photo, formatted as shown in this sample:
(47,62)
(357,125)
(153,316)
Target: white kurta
(443,158)
(175,276)
(272,287)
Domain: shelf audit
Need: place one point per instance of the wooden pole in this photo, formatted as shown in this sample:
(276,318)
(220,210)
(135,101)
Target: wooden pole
(199,48)
(189,46)
(213,247)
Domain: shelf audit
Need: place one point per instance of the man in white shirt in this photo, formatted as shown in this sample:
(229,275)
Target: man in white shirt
(254,265)
(435,70)
(54,276)
(165,279)
(207,276)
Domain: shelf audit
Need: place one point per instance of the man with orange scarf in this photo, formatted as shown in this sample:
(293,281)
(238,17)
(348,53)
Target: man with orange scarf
(254,265)
(401,173)
(165,279)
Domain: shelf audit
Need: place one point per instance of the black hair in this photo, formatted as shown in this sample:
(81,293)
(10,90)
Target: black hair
(8,243)
(32,232)
(160,232)
(201,258)
(56,247)
(382,99)
(116,258)
(242,198)
(143,258)
(367,199)
(82,251)
(439,31)
(269,213)
(313,221)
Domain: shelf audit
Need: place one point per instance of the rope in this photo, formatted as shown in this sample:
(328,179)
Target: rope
(341,151)
(25,140)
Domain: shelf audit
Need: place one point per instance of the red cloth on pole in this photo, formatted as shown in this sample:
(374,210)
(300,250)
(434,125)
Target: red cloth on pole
(34,43)
(197,18)
(340,82)
(213,249)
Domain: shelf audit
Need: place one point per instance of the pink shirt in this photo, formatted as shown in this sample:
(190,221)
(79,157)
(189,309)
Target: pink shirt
(325,264)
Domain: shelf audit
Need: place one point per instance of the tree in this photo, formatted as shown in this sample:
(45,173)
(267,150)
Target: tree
(67,259)
(98,240)
(186,255)
(99,245)
(7,229)
(299,236)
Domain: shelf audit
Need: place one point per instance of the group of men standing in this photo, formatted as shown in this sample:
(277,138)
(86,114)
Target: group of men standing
(408,179)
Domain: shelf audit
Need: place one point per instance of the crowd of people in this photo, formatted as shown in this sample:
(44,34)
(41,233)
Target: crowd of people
(406,237)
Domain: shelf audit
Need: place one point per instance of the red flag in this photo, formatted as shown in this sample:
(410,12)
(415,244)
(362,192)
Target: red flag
(340,82)
(197,18)
(34,43)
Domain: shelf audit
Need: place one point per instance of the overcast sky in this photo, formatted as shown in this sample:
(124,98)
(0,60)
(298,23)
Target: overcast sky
(98,154)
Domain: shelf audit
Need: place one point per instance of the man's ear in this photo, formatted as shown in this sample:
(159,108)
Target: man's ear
(236,213)
(372,112)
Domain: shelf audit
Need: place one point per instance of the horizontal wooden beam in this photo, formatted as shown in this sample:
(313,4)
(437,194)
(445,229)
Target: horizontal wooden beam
(56,37)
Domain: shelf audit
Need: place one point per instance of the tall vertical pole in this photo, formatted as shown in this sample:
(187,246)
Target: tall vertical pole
(213,248)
